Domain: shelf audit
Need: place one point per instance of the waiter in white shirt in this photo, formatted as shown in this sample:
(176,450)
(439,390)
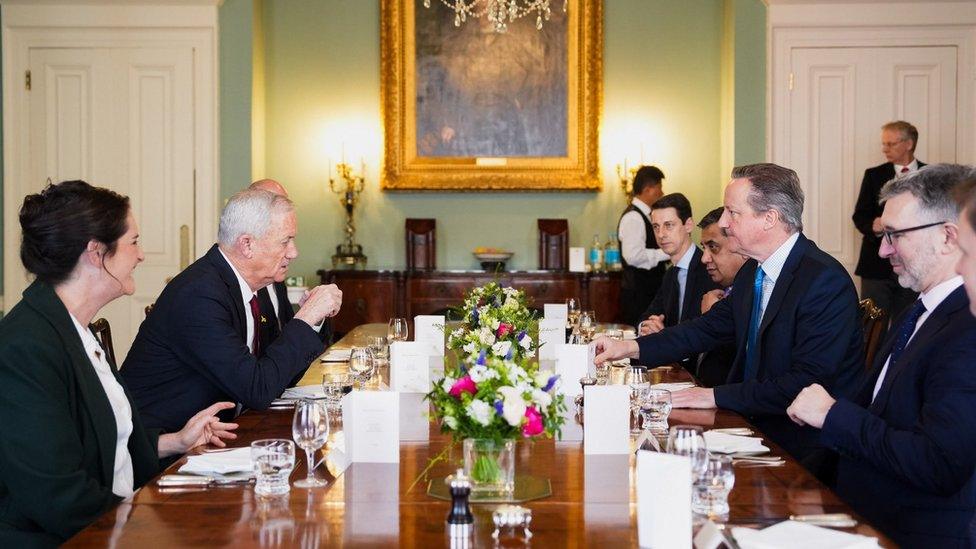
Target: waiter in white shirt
(644,262)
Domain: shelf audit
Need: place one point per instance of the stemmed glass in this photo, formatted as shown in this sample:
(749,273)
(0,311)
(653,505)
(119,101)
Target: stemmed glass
(310,429)
(399,330)
(638,382)
(336,385)
(361,363)
(587,325)
(379,347)
(655,407)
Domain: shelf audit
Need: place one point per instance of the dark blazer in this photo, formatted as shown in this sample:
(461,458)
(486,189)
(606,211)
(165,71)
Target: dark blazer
(869,264)
(57,440)
(907,461)
(273,322)
(667,298)
(191,351)
(809,334)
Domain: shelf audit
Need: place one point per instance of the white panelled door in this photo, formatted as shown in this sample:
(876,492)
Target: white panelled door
(840,99)
(122,118)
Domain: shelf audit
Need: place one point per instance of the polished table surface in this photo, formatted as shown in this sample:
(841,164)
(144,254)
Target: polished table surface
(593,498)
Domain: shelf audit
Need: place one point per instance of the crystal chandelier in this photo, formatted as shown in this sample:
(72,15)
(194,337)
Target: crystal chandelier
(499,12)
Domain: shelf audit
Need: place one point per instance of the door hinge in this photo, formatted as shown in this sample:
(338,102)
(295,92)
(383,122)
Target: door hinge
(791,82)
(27,80)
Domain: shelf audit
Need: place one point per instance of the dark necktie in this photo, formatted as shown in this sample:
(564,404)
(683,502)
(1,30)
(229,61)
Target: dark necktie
(752,353)
(904,169)
(905,331)
(256,315)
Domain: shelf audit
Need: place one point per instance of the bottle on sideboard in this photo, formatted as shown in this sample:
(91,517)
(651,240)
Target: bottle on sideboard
(596,255)
(611,254)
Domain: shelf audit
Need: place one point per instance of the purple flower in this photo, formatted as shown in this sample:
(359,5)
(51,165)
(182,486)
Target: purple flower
(474,317)
(520,335)
(551,382)
(499,408)
(508,356)
(481,357)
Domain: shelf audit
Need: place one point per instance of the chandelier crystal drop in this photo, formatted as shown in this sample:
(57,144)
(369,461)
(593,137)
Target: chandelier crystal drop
(499,12)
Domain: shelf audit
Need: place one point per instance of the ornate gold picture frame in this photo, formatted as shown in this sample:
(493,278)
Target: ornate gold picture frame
(465,108)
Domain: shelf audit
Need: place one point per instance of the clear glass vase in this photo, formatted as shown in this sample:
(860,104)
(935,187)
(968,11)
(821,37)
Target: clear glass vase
(490,465)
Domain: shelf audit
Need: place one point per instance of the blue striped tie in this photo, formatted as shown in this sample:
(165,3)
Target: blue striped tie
(752,353)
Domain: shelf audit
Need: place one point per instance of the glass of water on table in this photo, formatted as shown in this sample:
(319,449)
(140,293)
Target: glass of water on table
(336,385)
(273,460)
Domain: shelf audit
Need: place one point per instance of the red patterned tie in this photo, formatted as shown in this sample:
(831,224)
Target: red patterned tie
(256,315)
(904,169)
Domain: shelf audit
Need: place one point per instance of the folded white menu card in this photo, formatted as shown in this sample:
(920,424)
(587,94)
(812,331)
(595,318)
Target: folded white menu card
(371,426)
(430,329)
(577,259)
(572,363)
(663,500)
(555,311)
(336,355)
(236,460)
(414,417)
(799,535)
(552,334)
(723,443)
(410,364)
(305,391)
(606,421)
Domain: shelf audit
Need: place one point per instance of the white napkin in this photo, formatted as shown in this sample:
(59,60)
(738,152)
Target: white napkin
(305,391)
(236,460)
(336,355)
(673,387)
(798,535)
(722,443)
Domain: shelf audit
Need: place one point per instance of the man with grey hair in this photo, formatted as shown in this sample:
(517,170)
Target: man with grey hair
(202,341)
(906,439)
(792,316)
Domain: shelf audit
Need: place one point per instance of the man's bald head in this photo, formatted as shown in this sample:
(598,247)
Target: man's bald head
(271,186)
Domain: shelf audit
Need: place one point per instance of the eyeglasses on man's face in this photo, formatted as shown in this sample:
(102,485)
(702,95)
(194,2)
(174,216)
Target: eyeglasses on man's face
(890,144)
(892,236)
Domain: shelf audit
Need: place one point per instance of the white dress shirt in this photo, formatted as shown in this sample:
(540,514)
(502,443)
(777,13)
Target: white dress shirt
(931,299)
(274,301)
(122,477)
(246,295)
(633,239)
(772,267)
(912,167)
(682,265)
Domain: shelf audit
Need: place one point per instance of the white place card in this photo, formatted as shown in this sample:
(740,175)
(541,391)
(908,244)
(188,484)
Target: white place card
(606,419)
(371,426)
(414,420)
(709,536)
(606,491)
(555,311)
(571,431)
(577,259)
(410,366)
(371,492)
(663,500)
(430,329)
(572,363)
(552,334)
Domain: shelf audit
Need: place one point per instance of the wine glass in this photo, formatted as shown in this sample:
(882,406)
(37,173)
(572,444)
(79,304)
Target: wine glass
(310,429)
(361,363)
(587,325)
(379,346)
(399,330)
(336,385)
(689,440)
(638,382)
(655,407)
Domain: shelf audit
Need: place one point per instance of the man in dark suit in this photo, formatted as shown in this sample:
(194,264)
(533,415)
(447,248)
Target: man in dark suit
(722,262)
(201,343)
(679,297)
(643,261)
(907,439)
(898,140)
(793,316)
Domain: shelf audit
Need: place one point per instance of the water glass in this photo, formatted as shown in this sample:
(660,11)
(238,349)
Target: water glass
(655,407)
(379,347)
(615,333)
(398,330)
(310,429)
(361,363)
(686,440)
(710,492)
(336,385)
(273,460)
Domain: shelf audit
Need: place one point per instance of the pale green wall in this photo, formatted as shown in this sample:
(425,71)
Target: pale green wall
(662,88)
(236,26)
(750,81)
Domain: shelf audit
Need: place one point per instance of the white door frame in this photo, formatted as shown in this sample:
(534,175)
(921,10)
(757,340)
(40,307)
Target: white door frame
(845,25)
(109,24)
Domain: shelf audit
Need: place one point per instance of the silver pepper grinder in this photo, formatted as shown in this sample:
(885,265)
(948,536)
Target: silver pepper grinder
(460,521)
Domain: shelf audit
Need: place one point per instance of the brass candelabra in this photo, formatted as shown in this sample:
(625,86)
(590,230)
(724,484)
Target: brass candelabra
(626,176)
(349,187)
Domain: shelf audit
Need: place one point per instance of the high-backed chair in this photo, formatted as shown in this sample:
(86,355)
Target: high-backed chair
(553,244)
(873,321)
(421,244)
(103,333)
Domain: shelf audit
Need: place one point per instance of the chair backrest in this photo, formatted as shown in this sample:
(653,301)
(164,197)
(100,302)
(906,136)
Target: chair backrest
(421,244)
(553,244)
(873,321)
(103,333)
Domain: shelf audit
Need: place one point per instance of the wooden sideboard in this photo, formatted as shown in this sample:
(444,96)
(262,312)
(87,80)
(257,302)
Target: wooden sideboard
(377,296)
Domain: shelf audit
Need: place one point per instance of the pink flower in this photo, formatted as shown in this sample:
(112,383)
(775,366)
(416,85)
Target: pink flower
(503,330)
(533,426)
(463,385)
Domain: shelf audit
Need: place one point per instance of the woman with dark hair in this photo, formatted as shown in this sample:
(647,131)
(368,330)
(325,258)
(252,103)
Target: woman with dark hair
(71,443)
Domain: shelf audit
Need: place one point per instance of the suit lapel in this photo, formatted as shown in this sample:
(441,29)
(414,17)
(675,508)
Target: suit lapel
(782,286)
(741,298)
(226,273)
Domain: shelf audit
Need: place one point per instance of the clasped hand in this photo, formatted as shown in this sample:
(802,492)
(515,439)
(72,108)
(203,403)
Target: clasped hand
(319,303)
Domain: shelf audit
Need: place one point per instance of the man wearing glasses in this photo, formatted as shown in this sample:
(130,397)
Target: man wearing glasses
(898,140)
(907,439)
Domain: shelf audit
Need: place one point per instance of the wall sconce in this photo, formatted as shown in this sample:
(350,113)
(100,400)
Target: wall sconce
(626,174)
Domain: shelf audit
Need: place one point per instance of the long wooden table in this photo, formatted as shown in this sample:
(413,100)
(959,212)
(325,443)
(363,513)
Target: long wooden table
(593,499)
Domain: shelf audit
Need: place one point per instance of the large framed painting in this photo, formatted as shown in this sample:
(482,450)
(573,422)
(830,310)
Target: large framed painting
(466,108)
